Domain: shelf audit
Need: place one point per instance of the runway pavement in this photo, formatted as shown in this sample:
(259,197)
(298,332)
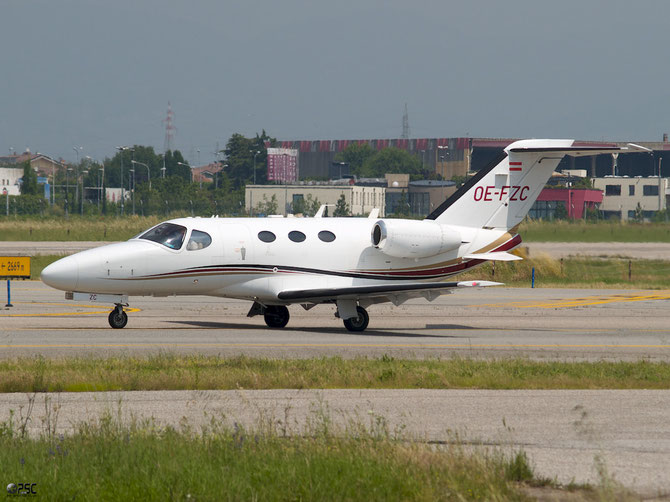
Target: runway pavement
(491,322)
(567,435)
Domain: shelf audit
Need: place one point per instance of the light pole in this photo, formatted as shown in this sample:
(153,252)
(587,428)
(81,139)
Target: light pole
(67,189)
(189,168)
(163,169)
(443,158)
(122,149)
(148,172)
(255,154)
(81,207)
(341,165)
(101,183)
(77,150)
(131,182)
(101,177)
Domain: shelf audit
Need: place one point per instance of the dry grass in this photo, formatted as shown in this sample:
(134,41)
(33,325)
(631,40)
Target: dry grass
(193,372)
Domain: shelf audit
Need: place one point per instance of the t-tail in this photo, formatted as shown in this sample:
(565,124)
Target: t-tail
(500,195)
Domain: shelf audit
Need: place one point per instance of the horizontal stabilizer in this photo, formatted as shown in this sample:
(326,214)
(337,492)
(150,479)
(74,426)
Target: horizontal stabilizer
(581,151)
(495,256)
(478,284)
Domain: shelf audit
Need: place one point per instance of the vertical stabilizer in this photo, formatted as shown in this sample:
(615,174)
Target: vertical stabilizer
(500,195)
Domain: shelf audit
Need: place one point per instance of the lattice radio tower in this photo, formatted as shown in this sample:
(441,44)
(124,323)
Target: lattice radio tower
(405,124)
(170,129)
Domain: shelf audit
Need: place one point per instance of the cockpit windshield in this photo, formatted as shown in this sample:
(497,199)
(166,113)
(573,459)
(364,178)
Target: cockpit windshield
(168,234)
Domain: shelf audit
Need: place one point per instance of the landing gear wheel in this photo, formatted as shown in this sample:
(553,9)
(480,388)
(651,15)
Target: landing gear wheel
(358,323)
(118,318)
(276,316)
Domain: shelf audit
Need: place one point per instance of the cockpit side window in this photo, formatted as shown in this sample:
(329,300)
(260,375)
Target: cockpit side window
(198,240)
(168,234)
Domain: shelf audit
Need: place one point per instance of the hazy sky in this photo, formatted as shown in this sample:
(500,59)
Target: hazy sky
(99,73)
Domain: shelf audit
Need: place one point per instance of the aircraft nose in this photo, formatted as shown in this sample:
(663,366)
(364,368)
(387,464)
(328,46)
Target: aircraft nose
(62,274)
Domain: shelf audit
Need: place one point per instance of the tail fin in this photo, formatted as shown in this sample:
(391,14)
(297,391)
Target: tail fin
(500,195)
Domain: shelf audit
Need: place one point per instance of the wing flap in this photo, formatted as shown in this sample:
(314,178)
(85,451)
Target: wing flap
(414,289)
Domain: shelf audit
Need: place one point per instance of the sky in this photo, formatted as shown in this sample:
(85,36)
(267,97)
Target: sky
(79,77)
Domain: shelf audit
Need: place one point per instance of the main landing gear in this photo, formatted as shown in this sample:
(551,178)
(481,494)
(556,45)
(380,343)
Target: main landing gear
(358,323)
(117,317)
(276,316)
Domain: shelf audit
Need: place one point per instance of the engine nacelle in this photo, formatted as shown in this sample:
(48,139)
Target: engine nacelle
(413,239)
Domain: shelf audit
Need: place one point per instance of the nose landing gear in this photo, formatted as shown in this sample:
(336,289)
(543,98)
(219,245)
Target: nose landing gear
(117,317)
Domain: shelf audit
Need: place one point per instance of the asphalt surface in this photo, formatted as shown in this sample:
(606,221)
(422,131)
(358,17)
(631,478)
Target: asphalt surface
(570,436)
(567,434)
(490,322)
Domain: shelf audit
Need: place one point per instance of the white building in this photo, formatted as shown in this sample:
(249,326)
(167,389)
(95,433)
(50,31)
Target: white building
(9,180)
(623,194)
(361,199)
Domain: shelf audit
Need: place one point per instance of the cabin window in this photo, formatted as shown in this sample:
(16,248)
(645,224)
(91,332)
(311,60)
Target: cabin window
(198,240)
(326,236)
(168,234)
(266,236)
(296,236)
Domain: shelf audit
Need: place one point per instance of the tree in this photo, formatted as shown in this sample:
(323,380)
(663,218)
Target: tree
(341,208)
(392,160)
(267,206)
(240,152)
(561,212)
(402,208)
(356,156)
(307,206)
(29,184)
(582,183)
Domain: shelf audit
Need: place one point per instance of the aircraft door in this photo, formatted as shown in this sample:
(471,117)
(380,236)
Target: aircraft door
(237,245)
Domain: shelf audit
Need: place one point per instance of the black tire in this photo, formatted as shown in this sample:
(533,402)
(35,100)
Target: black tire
(276,316)
(117,319)
(358,323)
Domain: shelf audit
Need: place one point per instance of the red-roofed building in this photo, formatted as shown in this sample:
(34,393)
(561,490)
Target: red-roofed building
(575,201)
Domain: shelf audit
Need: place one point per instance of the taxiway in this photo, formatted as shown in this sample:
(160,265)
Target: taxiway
(490,322)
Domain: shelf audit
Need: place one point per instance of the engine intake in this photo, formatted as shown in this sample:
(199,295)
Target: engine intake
(413,239)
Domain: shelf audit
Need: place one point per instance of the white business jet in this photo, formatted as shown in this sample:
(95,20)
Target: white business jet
(350,262)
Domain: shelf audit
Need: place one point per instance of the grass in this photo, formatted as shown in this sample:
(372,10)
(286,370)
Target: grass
(106,459)
(603,231)
(199,372)
(78,228)
(589,272)
(75,228)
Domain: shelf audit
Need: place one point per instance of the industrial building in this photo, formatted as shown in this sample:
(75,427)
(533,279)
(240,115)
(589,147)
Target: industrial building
(630,198)
(451,157)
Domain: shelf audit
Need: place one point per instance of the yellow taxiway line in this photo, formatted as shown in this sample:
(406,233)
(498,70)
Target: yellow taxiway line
(50,314)
(580,302)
